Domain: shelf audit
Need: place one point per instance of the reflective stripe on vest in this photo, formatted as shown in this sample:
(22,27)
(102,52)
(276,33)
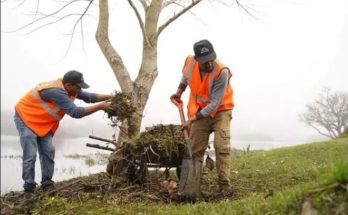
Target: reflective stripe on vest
(53,112)
(190,68)
(211,80)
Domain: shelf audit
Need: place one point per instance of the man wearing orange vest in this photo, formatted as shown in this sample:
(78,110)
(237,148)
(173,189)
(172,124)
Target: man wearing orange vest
(37,118)
(209,108)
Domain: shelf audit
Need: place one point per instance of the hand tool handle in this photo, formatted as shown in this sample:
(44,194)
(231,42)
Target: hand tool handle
(179,105)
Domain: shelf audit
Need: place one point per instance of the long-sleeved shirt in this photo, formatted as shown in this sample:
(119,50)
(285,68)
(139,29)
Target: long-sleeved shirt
(217,92)
(61,99)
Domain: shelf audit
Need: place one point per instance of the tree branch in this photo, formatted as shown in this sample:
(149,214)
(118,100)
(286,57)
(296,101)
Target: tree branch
(329,111)
(53,22)
(17,6)
(176,16)
(141,23)
(320,131)
(169,2)
(145,4)
(41,20)
(109,52)
(45,16)
(37,9)
(74,28)
(247,9)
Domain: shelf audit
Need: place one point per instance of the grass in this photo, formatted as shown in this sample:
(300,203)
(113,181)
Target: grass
(91,159)
(264,182)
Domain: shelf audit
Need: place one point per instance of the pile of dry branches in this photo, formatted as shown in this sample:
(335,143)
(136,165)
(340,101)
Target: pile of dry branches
(158,146)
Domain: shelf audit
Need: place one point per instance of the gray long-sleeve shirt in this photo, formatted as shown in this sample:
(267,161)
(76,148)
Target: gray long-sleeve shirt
(217,92)
(61,98)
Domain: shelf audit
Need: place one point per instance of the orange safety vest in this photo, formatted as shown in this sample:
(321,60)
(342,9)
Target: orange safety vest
(201,89)
(40,116)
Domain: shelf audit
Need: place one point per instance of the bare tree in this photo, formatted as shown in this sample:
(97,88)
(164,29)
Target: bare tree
(147,13)
(328,114)
(139,88)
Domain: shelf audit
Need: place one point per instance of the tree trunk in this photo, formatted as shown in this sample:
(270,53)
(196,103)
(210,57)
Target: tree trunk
(141,90)
(141,87)
(109,52)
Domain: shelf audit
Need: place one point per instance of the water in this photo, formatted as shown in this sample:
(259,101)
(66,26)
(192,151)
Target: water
(67,167)
(67,164)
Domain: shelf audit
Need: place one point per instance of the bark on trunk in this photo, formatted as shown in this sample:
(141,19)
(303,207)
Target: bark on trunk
(141,90)
(109,52)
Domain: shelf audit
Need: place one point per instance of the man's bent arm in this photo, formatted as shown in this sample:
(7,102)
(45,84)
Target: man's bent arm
(103,97)
(99,106)
(60,97)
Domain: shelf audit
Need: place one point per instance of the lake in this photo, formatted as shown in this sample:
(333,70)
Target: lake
(74,159)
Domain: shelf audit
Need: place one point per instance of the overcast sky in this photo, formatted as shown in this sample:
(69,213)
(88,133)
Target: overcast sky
(280,61)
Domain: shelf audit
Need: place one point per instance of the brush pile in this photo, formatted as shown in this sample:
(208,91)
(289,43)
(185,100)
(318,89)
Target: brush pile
(164,144)
(158,146)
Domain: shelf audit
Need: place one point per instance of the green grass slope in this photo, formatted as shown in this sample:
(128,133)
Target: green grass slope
(307,179)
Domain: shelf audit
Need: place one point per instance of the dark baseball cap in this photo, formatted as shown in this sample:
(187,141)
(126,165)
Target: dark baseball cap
(75,78)
(204,51)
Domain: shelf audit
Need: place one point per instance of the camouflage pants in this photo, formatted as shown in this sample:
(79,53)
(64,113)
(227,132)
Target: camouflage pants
(199,134)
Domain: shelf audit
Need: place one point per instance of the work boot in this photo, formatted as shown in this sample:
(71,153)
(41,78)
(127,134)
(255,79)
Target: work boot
(47,187)
(28,194)
(224,191)
(29,187)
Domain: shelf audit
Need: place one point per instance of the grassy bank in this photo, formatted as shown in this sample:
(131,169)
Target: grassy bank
(312,177)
